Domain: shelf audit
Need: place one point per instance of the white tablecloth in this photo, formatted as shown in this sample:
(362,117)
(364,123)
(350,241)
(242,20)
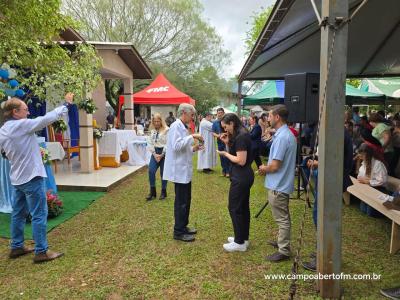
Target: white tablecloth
(138,154)
(114,142)
(56,151)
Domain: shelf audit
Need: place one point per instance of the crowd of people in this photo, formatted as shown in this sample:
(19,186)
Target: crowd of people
(371,153)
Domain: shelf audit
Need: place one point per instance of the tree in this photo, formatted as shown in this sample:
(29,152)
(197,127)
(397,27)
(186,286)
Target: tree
(28,30)
(258,20)
(169,34)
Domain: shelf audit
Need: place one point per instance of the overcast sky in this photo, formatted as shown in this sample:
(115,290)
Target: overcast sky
(229,17)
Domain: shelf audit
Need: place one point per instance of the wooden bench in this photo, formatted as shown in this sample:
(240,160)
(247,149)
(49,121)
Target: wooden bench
(370,196)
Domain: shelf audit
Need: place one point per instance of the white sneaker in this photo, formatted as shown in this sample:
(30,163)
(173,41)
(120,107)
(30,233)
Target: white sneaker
(232,247)
(231,239)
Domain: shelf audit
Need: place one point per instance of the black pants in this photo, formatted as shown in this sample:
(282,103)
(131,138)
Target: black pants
(183,197)
(239,209)
(256,155)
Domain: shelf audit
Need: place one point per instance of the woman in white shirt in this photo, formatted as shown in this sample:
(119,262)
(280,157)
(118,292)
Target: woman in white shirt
(372,172)
(156,144)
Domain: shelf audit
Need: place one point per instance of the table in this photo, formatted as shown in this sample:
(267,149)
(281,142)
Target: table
(7,190)
(112,145)
(56,151)
(138,153)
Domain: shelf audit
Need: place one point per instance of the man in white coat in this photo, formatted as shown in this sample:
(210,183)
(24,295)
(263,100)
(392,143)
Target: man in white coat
(178,168)
(208,157)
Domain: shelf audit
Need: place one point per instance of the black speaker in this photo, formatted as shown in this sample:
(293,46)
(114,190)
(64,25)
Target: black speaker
(302,97)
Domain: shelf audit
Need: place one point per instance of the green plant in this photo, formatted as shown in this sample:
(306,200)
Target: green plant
(97,133)
(60,126)
(54,205)
(87,105)
(45,155)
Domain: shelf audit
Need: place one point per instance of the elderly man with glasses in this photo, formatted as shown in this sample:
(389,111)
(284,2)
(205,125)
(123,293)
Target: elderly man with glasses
(178,168)
(27,173)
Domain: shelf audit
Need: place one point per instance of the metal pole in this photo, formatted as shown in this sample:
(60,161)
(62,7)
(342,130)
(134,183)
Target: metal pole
(331,143)
(239,99)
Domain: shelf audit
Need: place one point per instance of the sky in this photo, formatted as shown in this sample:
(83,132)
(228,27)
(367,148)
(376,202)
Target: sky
(229,18)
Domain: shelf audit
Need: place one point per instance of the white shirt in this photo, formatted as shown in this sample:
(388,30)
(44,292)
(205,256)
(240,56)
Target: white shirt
(18,140)
(178,165)
(379,175)
(157,139)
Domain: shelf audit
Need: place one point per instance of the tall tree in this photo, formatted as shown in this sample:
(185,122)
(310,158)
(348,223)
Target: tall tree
(28,30)
(169,34)
(258,20)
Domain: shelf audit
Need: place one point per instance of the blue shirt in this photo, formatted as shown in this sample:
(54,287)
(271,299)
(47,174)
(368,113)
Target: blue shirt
(216,128)
(283,148)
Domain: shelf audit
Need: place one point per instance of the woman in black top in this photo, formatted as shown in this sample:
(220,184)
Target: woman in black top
(238,142)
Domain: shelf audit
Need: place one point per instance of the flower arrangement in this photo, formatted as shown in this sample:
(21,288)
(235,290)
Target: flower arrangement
(45,155)
(54,205)
(97,133)
(87,105)
(60,126)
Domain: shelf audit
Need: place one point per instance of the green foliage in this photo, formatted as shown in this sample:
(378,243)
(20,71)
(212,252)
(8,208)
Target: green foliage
(354,82)
(258,20)
(87,105)
(28,30)
(170,35)
(60,126)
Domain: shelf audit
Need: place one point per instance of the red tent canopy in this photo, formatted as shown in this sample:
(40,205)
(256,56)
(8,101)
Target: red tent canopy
(160,92)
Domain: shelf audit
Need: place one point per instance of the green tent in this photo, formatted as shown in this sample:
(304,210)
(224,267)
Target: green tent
(272,92)
(387,86)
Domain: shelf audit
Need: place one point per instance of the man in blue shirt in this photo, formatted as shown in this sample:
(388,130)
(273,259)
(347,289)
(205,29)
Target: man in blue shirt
(217,130)
(280,173)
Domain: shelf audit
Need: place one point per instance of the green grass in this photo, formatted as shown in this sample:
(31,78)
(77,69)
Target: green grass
(122,248)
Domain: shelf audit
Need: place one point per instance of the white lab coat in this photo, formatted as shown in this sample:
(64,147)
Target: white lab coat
(178,165)
(208,157)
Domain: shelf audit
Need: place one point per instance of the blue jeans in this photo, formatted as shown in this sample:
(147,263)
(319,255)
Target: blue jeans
(225,163)
(153,167)
(30,197)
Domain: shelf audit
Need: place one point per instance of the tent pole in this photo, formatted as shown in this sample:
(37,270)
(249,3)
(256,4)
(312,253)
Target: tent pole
(333,61)
(239,99)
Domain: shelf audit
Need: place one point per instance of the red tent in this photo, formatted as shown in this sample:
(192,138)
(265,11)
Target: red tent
(160,92)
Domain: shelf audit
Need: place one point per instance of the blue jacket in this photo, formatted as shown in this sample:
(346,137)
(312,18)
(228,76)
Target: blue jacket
(255,135)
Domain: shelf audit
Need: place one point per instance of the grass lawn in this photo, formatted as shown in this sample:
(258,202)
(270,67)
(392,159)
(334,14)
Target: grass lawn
(122,248)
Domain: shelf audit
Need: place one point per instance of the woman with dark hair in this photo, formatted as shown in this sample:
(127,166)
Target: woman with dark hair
(372,172)
(372,142)
(255,134)
(238,142)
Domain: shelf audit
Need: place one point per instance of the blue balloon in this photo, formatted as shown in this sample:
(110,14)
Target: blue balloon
(19,93)
(13,83)
(4,73)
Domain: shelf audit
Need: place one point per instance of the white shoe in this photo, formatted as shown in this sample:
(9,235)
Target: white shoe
(232,247)
(231,239)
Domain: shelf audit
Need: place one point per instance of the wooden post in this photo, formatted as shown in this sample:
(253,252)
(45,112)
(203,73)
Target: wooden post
(331,143)
(86,141)
(128,104)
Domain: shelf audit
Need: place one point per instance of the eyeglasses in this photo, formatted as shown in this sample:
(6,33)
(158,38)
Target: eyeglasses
(25,109)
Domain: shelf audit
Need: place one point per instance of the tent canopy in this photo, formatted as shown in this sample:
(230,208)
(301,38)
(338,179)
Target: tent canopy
(160,92)
(387,86)
(290,41)
(272,92)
